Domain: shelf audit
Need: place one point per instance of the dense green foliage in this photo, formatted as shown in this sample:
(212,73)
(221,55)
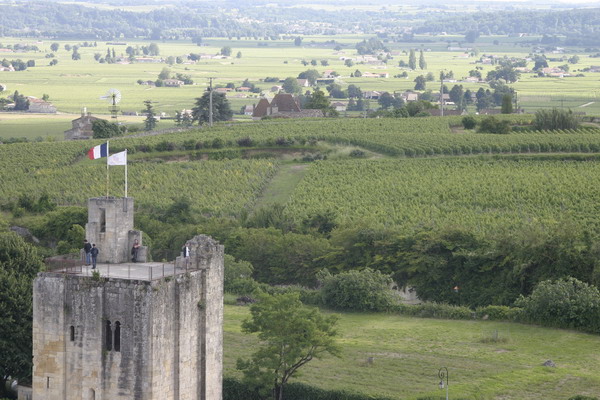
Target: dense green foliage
(19,263)
(104,129)
(555,119)
(565,303)
(365,290)
(221,111)
(390,215)
(493,125)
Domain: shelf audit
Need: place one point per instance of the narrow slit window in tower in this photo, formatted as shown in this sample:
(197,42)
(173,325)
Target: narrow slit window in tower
(108,336)
(102,220)
(72,333)
(117,341)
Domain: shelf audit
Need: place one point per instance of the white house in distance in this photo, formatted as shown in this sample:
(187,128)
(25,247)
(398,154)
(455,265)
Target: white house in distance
(173,83)
(40,106)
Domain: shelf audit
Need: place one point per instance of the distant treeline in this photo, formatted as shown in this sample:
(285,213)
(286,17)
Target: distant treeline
(193,20)
(71,20)
(539,22)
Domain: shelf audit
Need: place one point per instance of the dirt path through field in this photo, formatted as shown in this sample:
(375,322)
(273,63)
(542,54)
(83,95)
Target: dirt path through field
(282,185)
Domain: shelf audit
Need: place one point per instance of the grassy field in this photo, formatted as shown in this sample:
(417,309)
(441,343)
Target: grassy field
(409,351)
(73,85)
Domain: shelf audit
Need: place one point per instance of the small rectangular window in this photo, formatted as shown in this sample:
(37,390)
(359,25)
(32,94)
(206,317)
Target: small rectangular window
(72,333)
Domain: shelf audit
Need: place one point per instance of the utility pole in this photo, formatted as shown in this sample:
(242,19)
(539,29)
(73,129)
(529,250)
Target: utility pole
(210,105)
(442,93)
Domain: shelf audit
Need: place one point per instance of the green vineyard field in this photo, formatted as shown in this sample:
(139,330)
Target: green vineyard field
(423,180)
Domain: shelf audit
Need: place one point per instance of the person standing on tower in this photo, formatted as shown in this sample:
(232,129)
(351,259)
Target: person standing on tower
(134,250)
(94,252)
(186,253)
(87,247)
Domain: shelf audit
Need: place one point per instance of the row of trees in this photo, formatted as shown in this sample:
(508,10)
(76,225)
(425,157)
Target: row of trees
(18,64)
(412,61)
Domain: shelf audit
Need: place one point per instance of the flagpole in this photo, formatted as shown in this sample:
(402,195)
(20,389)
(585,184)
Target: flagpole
(126,173)
(107,157)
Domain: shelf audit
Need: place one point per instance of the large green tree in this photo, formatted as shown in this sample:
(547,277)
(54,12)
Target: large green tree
(318,101)
(150,121)
(420,82)
(19,263)
(291,335)
(290,85)
(21,102)
(220,108)
(311,75)
(412,59)
(422,62)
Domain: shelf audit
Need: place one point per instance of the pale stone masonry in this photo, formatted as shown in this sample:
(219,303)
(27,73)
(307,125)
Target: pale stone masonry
(110,228)
(129,336)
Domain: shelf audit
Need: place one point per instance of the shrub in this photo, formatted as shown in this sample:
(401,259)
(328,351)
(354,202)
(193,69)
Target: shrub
(217,143)
(555,119)
(565,303)
(281,141)
(494,125)
(189,144)
(366,290)
(469,122)
(165,146)
(357,153)
(245,142)
(436,310)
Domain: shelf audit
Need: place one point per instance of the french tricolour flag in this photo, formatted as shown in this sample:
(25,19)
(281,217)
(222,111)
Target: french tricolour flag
(98,151)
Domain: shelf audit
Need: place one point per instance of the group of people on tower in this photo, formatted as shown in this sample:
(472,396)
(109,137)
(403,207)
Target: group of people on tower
(91,253)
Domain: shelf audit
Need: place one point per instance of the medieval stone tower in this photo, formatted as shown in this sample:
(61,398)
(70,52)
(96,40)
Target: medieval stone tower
(147,331)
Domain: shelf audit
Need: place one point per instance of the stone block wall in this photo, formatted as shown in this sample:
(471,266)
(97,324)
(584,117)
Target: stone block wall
(110,220)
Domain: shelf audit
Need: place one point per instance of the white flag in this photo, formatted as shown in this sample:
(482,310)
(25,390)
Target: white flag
(118,158)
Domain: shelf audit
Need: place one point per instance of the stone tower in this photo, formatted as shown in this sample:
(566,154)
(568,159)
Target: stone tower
(144,331)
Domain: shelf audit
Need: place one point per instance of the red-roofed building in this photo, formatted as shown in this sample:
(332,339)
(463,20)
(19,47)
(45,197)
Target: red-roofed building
(283,105)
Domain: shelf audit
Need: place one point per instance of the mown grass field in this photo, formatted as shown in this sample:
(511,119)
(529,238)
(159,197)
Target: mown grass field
(73,85)
(409,351)
(51,126)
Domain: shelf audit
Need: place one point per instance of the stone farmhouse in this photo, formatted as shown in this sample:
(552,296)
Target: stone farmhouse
(82,127)
(283,105)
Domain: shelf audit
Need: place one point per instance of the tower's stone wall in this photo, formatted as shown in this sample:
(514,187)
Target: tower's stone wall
(110,227)
(170,334)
